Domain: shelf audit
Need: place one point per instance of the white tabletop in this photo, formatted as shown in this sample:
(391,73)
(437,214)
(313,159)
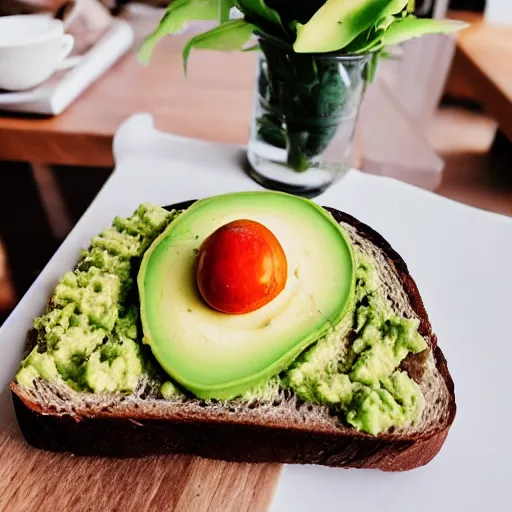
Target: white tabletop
(460,257)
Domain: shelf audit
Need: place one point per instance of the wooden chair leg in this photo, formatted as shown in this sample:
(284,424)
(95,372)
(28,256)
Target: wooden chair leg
(53,203)
(7,295)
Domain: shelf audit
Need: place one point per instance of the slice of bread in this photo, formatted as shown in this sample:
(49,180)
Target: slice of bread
(282,429)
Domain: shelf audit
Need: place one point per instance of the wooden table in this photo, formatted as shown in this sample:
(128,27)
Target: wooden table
(208,104)
(484,58)
(168,483)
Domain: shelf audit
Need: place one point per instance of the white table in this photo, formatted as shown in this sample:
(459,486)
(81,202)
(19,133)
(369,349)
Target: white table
(461,259)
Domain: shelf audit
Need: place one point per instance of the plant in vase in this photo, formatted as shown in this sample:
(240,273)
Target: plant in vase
(317,56)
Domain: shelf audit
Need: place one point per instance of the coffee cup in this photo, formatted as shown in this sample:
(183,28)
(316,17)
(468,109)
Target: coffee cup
(32,48)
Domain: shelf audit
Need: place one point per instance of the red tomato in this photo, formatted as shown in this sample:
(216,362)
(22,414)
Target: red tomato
(241,267)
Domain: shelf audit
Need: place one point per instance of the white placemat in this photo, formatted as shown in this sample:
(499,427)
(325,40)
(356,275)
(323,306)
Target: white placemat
(498,11)
(461,259)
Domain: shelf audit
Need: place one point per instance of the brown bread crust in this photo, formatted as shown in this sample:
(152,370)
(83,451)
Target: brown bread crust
(133,433)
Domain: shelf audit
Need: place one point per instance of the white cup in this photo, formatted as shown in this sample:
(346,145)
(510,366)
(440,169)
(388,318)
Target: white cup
(32,48)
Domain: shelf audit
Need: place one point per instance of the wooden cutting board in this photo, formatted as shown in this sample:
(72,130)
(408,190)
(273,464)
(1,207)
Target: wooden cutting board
(33,480)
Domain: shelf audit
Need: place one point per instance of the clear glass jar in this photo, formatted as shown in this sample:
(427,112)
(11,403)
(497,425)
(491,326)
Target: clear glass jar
(304,117)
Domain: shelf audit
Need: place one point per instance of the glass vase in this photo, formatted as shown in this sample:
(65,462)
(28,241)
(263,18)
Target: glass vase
(304,117)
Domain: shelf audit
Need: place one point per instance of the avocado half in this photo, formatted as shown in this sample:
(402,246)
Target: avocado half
(217,355)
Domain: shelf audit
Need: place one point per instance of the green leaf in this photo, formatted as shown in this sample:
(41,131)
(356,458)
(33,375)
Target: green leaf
(253,48)
(370,39)
(385,22)
(365,42)
(338,22)
(178,14)
(411,5)
(258,9)
(394,7)
(224,9)
(410,27)
(230,35)
(371,67)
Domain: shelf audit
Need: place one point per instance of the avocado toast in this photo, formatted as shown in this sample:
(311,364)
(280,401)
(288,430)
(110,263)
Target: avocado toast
(322,407)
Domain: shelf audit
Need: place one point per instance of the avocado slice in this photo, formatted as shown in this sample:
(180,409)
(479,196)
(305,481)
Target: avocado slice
(217,355)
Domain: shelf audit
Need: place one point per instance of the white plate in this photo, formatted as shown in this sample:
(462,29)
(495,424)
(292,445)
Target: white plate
(461,259)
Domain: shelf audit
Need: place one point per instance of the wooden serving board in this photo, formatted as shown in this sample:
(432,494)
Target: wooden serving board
(34,480)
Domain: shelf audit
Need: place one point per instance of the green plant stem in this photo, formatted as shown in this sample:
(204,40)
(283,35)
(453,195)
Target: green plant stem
(296,157)
(304,99)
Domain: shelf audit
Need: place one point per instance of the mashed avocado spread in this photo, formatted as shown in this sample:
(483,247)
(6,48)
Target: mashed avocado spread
(362,379)
(89,337)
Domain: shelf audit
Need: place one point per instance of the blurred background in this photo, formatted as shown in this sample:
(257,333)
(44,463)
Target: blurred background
(439,115)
